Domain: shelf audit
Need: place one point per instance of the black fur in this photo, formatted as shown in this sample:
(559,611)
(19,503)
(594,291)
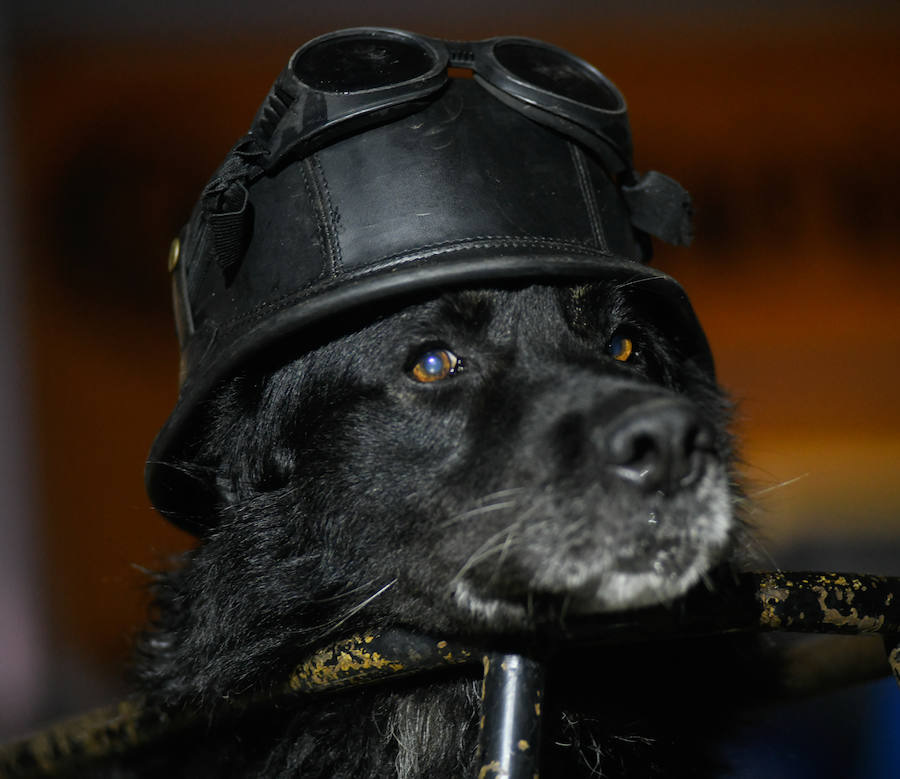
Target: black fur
(486,504)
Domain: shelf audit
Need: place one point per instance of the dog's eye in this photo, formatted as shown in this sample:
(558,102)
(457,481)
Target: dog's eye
(620,347)
(434,365)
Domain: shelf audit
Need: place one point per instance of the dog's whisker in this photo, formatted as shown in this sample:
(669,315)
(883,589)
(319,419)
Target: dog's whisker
(482,554)
(487,549)
(778,486)
(633,282)
(343,594)
(330,627)
(480,510)
(596,751)
(492,547)
(757,549)
(504,493)
(488,503)
(504,552)
(506,546)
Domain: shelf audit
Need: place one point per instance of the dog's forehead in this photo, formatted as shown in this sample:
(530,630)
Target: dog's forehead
(582,304)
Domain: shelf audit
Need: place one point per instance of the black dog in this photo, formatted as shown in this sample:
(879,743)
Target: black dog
(487,462)
(429,382)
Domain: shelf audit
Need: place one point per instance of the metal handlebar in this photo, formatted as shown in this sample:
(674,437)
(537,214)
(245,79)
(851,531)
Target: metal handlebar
(509,743)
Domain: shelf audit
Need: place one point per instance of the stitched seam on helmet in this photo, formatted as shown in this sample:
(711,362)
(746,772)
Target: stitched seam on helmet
(422,252)
(332,216)
(590,198)
(320,203)
(481,242)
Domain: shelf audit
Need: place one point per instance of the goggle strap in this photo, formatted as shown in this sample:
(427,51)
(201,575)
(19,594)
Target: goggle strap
(460,54)
(229,225)
(282,95)
(660,206)
(605,149)
(274,107)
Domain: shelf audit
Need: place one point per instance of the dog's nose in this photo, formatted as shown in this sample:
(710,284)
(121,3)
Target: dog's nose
(659,444)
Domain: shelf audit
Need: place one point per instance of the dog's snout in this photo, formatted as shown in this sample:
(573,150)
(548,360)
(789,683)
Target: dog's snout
(659,444)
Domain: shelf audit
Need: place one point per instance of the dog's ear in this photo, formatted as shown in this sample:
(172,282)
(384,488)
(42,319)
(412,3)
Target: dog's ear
(193,490)
(250,426)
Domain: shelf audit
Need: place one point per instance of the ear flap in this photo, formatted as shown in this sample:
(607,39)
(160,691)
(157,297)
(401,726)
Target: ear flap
(662,207)
(189,488)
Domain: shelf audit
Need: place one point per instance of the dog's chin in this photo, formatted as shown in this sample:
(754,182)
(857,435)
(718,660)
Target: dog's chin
(603,582)
(623,591)
(603,593)
(656,573)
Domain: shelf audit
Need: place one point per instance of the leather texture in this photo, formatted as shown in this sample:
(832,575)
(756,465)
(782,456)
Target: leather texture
(465,191)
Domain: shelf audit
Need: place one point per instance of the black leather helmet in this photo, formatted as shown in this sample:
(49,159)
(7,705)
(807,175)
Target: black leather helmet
(369,173)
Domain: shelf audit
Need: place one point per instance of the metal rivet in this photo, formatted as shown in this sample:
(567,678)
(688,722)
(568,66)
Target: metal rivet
(174,253)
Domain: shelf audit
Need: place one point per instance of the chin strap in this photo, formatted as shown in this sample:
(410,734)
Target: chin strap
(512,692)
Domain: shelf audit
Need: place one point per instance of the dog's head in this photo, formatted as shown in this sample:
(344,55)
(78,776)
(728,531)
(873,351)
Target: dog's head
(427,376)
(494,457)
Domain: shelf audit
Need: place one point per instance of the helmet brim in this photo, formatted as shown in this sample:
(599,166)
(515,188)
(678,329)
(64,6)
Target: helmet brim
(184,497)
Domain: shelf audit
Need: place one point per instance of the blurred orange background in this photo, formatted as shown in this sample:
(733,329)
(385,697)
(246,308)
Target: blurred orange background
(785,128)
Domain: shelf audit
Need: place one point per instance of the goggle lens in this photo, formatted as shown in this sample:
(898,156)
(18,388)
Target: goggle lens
(555,72)
(355,63)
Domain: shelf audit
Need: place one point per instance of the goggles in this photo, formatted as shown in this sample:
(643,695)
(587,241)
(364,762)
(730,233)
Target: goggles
(341,82)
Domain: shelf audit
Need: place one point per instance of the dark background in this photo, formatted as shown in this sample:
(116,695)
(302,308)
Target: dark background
(782,119)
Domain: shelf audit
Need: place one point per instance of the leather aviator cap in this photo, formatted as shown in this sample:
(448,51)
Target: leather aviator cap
(462,190)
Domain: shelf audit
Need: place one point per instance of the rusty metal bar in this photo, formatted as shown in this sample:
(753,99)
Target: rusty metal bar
(806,602)
(510,732)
